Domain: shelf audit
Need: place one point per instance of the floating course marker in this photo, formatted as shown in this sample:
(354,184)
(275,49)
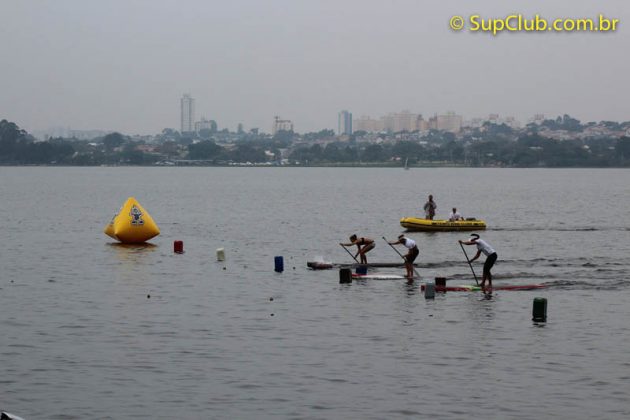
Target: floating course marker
(429,290)
(345,276)
(220,254)
(132,224)
(539,310)
(361,269)
(178,247)
(278,264)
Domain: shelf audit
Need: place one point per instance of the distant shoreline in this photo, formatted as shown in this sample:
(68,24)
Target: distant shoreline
(358,166)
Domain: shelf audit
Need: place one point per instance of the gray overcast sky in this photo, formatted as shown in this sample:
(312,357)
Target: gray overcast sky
(124,64)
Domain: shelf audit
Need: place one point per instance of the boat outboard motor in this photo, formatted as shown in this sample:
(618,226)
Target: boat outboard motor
(9,416)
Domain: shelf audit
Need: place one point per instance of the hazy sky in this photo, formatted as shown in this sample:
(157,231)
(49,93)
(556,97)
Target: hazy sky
(124,64)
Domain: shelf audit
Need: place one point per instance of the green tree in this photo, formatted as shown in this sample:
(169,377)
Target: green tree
(10,135)
(112,141)
(623,148)
(204,150)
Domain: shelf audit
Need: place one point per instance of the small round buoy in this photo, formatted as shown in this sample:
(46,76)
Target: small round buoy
(148,296)
(271,314)
(271,299)
(224,268)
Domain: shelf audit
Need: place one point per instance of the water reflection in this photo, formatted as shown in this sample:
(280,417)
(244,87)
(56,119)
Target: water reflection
(132,253)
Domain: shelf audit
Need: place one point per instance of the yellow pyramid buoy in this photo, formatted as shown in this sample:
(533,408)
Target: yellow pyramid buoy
(132,224)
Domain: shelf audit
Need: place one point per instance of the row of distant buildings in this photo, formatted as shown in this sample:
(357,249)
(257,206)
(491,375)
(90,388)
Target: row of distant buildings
(402,121)
(394,122)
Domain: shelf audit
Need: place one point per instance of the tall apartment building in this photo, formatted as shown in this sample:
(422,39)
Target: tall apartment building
(281,125)
(449,122)
(187,104)
(344,123)
(370,125)
(401,121)
(205,124)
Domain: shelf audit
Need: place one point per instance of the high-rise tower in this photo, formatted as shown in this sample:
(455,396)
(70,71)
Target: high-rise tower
(345,123)
(187,114)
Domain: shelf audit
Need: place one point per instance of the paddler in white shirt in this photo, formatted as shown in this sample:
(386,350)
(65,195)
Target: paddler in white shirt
(489,252)
(411,256)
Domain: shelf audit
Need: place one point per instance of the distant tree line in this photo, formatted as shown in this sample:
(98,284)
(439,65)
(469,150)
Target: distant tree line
(490,145)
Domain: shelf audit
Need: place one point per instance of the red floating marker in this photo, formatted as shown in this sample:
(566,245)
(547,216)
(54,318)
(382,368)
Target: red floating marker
(178,247)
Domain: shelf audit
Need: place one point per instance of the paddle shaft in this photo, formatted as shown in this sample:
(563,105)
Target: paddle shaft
(353,257)
(401,256)
(469,263)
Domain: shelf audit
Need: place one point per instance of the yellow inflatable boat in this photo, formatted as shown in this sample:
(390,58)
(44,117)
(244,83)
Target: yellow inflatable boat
(132,225)
(426,225)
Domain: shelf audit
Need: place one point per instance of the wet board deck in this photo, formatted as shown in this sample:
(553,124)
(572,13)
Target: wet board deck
(320,265)
(475,288)
(378,277)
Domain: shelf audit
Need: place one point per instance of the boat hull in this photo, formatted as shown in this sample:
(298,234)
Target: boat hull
(426,225)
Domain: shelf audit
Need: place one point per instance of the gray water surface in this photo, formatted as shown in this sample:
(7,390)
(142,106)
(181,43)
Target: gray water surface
(91,329)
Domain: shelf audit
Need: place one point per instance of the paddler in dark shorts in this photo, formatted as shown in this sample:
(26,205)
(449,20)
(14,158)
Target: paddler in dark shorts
(489,252)
(364,245)
(411,256)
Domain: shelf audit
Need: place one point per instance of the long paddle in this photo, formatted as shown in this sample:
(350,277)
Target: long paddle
(469,264)
(353,257)
(401,256)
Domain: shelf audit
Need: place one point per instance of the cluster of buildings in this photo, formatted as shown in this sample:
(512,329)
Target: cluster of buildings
(408,121)
(395,122)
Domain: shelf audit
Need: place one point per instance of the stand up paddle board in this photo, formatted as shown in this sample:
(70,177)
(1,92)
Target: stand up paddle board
(377,276)
(475,288)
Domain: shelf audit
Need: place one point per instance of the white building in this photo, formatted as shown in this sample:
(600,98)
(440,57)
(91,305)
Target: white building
(281,125)
(449,122)
(187,114)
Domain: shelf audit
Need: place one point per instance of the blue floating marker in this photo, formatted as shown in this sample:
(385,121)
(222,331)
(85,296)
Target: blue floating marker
(361,269)
(429,290)
(278,264)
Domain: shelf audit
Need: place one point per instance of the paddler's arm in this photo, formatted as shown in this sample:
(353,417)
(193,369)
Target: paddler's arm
(476,256)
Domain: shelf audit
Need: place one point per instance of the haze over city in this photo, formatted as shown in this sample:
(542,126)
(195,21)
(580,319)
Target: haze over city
(123,66)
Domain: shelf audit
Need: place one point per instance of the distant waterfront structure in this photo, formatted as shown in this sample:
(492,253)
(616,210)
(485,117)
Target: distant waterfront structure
(394,122)
(344,123)
(205,124)
(449,122)
(368,124)
(537,119)
(281,125)
(187,104)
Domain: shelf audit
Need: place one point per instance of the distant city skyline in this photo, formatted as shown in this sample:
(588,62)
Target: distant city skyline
(123,66)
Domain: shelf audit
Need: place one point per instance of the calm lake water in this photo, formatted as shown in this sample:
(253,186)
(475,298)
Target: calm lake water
(94,330)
